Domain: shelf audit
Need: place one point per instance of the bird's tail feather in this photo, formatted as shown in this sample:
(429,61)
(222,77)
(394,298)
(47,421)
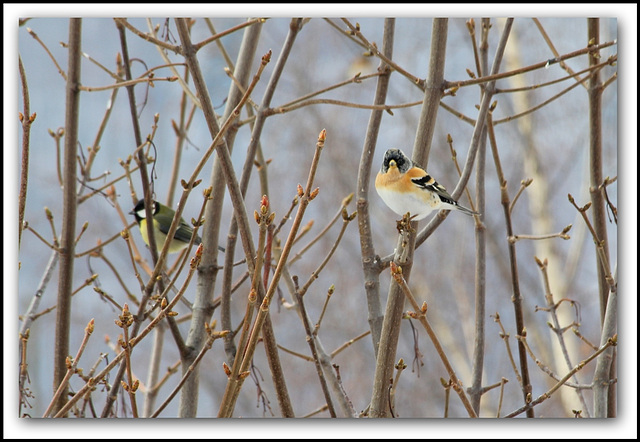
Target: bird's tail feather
(465,210)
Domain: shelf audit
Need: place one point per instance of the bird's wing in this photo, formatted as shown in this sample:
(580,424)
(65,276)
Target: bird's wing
(183,233)
(427,182)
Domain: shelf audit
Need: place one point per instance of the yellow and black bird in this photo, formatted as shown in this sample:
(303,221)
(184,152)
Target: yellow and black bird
(162,218)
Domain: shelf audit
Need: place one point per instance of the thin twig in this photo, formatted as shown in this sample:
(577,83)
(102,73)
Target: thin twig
(165,309)
(296,354)
(149,80)
(311,341)
(502,384)
(355,30)
(550,373)
(163,53)
(219,35)
(505,337)
(523,185)
(148,37)
(562,235)
(609,62)
(346,219)
(349,343)
(147,191)
(72,366)
(516,297)
(125,320)
(26,118)
(420,315)
(600,244)
(544,396)
(541,105)
(213,335)
(306,195)
(35,36)
(250,42)
(316,327)
(555,52)
(344,204)
(264,217)
(533,67)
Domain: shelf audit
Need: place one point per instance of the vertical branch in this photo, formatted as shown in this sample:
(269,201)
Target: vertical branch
(165,310)
(124,321)
(155,358)
(264,218)
(312,345)
(142,160)
(67,243)
(181,137)
(481,243)
(541,215)
(241,73)
(433,90)
(370,264)
(557,328)
(234,384)
(489,91)
(595,159)
(206,279)
(515,281)
(268,335)
(208,268)
(147,191)
(385,362)
(605,365)
(420,313)
(26,119)
(72,365)
(595,167)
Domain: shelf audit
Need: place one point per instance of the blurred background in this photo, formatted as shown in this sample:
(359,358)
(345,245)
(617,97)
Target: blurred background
(550,144)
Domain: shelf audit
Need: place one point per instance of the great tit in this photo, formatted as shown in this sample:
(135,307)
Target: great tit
(162,218)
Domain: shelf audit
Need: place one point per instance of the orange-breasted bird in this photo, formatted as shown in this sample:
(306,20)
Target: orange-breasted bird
(406,187)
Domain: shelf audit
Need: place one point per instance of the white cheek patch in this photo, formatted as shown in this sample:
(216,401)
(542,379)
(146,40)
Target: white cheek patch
(142,214)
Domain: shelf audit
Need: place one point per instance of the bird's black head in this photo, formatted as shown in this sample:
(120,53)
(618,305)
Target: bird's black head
(139,213)
(402,162)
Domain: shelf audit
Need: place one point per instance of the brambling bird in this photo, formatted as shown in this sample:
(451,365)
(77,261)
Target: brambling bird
(406,187)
